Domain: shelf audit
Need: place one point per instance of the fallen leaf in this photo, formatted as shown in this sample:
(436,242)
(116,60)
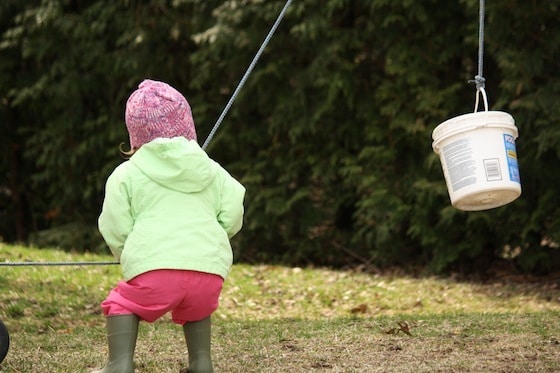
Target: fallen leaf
(362,308)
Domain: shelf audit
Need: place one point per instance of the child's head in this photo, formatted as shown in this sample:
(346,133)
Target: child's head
(155,110)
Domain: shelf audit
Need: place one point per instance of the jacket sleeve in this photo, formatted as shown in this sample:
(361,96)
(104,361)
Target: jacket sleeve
(230,215)
(115,221)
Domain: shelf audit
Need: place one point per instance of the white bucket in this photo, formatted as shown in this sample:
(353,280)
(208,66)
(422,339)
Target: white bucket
(479,159)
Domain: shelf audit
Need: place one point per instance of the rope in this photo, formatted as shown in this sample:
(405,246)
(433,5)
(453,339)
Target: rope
(206,142)
(50,264)
(247,73)
(479,80)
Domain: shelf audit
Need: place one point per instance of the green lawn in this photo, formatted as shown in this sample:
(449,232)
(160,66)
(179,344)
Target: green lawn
(278,319)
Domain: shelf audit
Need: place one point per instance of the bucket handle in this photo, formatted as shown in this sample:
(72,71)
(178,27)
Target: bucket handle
(480,91)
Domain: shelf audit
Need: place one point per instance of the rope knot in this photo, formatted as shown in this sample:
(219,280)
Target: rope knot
(479,81)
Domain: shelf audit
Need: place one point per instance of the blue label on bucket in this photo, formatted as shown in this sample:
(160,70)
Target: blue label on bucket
(511,156)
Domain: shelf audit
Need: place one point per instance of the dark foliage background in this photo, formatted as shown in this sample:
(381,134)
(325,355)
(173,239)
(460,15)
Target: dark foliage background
(331,134)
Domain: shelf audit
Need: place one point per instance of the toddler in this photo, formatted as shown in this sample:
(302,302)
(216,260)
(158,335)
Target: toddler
(168,214)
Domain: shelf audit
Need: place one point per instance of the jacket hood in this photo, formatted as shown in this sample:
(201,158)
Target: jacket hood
(176,163)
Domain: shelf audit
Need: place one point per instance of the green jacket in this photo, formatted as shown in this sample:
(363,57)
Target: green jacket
(171,207)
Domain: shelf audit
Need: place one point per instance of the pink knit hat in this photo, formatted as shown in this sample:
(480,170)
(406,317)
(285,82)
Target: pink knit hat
(155,110)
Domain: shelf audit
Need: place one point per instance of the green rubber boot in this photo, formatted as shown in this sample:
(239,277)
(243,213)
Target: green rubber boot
(198,335)
(122,331)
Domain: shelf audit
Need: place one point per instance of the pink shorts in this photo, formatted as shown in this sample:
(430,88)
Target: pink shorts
(189,295)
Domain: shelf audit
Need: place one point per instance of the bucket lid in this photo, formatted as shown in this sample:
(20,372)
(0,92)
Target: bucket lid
(471,121)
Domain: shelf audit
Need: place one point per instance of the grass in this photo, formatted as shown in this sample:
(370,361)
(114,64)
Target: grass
(278,319)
